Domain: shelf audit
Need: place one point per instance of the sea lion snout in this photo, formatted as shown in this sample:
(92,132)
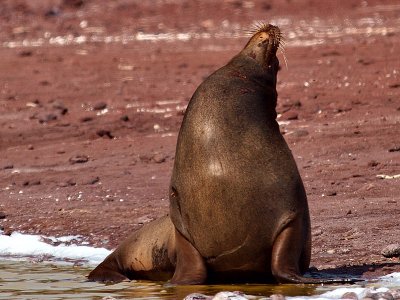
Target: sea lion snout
(263,45)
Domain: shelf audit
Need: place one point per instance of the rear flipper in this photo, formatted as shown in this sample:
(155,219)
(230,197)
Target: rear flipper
(148,253)
(108,273)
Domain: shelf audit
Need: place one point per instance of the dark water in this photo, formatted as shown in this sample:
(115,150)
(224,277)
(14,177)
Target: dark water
(27,280)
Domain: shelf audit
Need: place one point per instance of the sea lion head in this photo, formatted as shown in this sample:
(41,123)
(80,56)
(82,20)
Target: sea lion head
(263,45)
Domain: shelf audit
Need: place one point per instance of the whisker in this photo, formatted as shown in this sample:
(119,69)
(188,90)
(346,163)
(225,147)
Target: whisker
(284,58)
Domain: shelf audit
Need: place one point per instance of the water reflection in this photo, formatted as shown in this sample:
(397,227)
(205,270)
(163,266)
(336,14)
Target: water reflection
(26,280)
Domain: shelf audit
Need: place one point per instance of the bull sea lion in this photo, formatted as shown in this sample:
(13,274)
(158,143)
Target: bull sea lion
(238,209)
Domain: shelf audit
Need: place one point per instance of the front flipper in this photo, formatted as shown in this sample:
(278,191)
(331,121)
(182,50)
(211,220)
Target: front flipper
(190,266)
(291,254)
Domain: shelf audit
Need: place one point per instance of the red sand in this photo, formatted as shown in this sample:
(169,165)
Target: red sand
(88,131)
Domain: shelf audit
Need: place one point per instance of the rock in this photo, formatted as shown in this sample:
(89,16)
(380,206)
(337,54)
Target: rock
(69,182)
(86,119)
(104,133)
(30,183)
(373,163)
(339,108)
(124,118)
(75,4)
(53,12)
(317,232)
(229,296)
(392,250)
(380,296)
(159,158)
(300,133)
(350,295)
(266,6)
(60,107)
(100,106)
(7,166)
(394,149)
(197,296)
(45,83)
(2,215)
(331,193)
(25,53)
(366,61)
(277,297)
(7,232)
(91,181)
(108,298)
(46,117)
(79,159)
(395,293)
(290,115)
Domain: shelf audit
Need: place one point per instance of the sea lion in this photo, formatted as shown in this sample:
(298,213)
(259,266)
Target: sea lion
(238,209)
(236,193)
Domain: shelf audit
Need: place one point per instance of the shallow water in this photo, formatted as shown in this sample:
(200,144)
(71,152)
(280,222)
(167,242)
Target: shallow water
(28,280)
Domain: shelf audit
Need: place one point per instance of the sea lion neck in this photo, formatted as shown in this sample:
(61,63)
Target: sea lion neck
(252,71)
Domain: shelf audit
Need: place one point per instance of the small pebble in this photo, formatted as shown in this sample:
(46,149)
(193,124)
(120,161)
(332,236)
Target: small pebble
(25,53)
(69,182)
(317,232)
(277,297)
(381,296)
(105,133)
(159,158)
(395,293)
(392,250)
(46,117)
(394,149)
(290,115)
(229,296)
(60,107)
(197,296)
(300,133)
(350,295)
(30,183)
(91,181)
(86,119)
(124,118)
(79,159)
(100,106)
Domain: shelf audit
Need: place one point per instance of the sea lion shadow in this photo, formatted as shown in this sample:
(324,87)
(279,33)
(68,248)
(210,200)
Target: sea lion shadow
(357,272)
